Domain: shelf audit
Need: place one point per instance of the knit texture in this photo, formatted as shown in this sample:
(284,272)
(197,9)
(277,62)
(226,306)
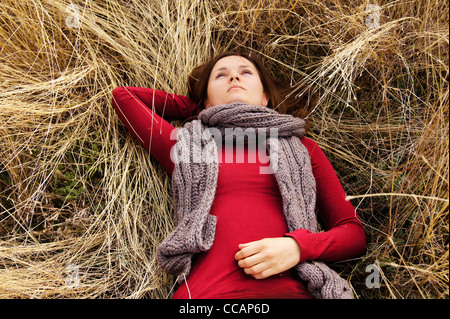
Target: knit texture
(194,182)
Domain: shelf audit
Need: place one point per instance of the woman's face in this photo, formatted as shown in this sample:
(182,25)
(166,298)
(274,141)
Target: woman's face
(235,79)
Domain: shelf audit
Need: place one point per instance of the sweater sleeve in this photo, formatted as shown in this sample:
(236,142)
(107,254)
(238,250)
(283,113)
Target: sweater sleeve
(344,237)
(142,110)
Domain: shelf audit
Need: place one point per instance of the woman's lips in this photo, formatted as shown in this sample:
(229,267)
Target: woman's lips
(235,87)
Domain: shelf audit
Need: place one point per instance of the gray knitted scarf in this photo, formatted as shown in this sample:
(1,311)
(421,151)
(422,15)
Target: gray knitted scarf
(194,182)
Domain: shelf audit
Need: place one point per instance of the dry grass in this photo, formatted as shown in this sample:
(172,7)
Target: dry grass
(83,207)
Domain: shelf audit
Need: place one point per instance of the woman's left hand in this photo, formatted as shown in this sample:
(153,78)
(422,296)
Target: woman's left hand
(268,256)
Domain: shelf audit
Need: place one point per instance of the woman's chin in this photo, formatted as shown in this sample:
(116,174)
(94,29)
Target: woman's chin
(238,100)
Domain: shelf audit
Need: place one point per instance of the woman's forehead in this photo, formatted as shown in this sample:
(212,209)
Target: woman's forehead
(233,61)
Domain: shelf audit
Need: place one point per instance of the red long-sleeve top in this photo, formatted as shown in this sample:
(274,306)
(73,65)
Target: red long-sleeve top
(247,204)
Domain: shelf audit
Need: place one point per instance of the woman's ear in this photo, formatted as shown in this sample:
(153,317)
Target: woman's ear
(265,100)
(206,104)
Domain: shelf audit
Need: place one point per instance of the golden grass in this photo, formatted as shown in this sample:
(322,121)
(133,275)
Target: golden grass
(83,206)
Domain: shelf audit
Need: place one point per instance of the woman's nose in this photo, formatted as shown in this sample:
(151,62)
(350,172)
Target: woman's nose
(235,77)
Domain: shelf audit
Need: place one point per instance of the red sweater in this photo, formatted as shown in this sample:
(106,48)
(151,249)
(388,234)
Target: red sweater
(247,204)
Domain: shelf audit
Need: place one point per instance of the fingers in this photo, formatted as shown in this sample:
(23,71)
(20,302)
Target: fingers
(246,250)
(252,261)
(260,271)
(255,266)
(268,256)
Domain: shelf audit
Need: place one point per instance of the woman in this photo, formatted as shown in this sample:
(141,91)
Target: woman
(241,233)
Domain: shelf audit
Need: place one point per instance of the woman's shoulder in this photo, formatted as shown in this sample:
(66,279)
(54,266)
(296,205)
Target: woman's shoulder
(310,145)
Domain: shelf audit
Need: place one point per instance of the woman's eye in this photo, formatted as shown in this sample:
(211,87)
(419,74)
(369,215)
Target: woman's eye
(247,72)
(220,75)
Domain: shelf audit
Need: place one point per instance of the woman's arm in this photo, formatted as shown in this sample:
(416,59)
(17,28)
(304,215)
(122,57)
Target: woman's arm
(344,237)
(167,105)
(138,109)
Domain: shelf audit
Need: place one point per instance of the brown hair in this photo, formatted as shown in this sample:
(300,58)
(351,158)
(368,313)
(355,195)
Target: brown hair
(281,96)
